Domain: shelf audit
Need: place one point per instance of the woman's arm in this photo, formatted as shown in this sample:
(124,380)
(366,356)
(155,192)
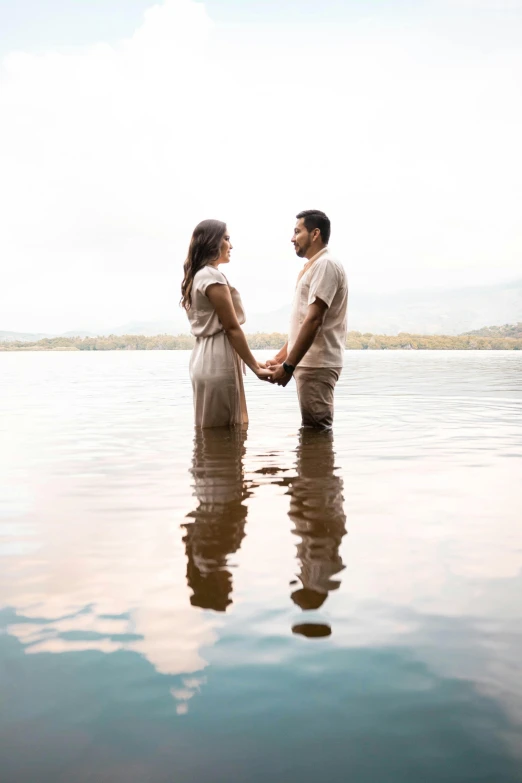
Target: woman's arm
(221,300)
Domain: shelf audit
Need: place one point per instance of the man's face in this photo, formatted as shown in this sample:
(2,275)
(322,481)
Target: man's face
(301,239)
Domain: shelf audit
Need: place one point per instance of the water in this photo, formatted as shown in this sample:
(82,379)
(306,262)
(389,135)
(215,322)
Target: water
(261,606)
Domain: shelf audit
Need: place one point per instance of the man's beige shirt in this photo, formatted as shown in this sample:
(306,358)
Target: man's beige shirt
(324,279)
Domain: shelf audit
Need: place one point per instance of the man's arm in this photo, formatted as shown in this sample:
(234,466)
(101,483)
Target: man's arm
(279,357)
(307,334)
(308,331)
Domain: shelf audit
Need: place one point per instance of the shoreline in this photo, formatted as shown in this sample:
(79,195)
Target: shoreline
(355,341)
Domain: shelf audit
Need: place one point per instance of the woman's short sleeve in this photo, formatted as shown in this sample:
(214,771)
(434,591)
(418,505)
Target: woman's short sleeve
(208,276)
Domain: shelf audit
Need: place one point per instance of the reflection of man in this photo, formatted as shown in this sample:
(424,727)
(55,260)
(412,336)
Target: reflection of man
(219,520)
(316,343)
(316,509)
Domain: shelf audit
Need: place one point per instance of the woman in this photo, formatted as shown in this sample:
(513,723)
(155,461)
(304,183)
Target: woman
(215,313)
(216,528)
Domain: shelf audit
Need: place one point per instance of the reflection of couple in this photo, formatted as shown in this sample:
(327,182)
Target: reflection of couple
(316,509)
(317,334)
(218,526)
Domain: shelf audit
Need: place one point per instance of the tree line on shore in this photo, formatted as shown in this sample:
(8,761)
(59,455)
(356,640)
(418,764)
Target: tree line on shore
(354,341)
(507,330)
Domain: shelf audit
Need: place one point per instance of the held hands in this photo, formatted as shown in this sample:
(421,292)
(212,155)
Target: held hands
(274,374)
(262,372)
(278,375)
(270,363)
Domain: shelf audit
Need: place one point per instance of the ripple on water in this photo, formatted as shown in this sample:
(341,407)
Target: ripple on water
(261,604)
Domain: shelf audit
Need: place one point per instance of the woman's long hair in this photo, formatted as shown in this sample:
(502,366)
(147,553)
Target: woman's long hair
(205,247)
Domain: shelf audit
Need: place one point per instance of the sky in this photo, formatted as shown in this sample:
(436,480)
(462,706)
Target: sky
(124,123)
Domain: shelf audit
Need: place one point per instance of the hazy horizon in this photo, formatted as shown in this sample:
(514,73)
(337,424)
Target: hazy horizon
(420,311)
(124,125)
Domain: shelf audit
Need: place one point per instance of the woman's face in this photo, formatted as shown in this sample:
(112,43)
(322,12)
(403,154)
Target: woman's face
(226,247)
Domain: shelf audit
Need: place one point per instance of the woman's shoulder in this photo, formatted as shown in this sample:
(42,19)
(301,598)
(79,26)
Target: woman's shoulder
(210,273)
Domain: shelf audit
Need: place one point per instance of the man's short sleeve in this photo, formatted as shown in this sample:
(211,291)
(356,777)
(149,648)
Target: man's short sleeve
(324,282)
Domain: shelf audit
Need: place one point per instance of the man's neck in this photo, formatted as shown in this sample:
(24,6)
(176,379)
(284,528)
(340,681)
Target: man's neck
(310,261)
(314,251)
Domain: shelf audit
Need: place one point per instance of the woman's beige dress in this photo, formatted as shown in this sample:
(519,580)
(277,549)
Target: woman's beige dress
(216,371)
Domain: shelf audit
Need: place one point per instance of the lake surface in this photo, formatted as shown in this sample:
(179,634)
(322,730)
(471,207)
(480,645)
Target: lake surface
(268,605)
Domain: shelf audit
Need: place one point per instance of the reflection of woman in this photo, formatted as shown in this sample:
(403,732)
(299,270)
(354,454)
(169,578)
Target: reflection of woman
(219,520)
(316,509)
(215,312)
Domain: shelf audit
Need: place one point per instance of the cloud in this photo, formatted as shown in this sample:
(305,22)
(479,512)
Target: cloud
(498,6)
(111,154)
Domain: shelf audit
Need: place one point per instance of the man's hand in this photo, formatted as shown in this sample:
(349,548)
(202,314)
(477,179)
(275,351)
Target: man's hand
(279,376)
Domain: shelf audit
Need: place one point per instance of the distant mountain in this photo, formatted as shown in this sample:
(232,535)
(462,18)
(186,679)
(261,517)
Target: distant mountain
(177,325)
(437,311)
(24,337)
(30,337)
(147,328)
(77,333)
(449,311)
(507,330)
(276,321)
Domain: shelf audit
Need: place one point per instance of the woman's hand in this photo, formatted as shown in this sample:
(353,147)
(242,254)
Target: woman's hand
(262,372)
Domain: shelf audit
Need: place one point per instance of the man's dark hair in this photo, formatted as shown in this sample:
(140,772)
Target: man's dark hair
(314,218)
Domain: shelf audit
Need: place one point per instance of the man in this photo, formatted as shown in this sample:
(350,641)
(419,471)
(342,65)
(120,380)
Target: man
(314,352)
(316,510)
